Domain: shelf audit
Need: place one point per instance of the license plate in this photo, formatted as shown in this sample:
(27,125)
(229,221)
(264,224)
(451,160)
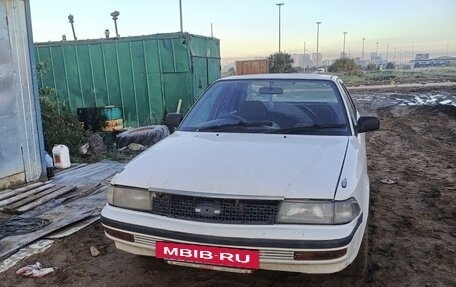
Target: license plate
(239,258)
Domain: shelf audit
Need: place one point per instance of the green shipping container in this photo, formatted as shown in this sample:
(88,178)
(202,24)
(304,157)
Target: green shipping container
(145,76)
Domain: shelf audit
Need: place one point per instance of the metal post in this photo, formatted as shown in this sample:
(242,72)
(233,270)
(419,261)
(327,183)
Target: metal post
(71,20)
(280,6)
(387,50)
(180,13)
(394,57)
(343,54)
(318,38)
(114,15)
(115,25)
(376,56)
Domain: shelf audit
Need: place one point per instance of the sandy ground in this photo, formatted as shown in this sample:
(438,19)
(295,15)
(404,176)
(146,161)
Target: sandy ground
(412,223)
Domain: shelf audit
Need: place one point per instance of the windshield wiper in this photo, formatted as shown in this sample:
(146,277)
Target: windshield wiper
(314,127)
(224,127)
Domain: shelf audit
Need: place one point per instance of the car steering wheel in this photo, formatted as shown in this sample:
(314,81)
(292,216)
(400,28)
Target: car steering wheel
(310,114)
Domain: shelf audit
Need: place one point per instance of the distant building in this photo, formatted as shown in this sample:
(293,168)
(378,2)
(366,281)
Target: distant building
(377,59)
(423,61)
(302,60)
(327,62)
(314,59)
(361,62)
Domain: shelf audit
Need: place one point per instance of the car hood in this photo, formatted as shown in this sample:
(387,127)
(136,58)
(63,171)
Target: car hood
(244,165)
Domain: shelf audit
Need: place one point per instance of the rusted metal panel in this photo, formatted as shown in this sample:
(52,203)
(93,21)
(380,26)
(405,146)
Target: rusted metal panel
(20,128)
(259,66)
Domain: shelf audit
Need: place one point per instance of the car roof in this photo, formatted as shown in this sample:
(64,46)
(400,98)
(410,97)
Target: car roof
(288,76)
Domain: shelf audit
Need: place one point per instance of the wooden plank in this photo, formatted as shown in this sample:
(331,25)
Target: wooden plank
(96,201)
(5,190)
(59,217)
(44,199)
(13,192)
(25,194)
(32,198)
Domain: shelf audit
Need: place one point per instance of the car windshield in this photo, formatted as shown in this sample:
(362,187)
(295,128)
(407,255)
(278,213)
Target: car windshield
(269,106)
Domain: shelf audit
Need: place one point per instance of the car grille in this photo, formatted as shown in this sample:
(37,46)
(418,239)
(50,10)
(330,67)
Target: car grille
(216,210)
(271,255)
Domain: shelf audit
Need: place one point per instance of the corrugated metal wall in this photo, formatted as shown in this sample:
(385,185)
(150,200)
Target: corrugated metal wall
(259,66)
(20,126)
(144,75)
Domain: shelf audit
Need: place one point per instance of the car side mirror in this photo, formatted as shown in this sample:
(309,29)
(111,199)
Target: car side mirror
(173,120)
(367,124)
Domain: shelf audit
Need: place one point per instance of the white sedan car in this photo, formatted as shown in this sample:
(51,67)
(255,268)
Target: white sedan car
(264,172)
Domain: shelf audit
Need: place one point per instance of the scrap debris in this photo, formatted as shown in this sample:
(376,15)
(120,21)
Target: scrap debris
(18,225)
(74,196)
(27,200)
(387,180)
(35,270)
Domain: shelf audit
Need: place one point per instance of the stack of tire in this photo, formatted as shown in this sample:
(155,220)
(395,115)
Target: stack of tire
(146,136)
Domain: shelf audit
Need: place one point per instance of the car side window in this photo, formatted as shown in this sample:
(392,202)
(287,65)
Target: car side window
(351,106)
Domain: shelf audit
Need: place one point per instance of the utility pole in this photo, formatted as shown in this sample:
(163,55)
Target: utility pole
(318,38)
(377,58)
(71,20)
(280,6)
(343,54)
(387,48)
(394,57)
(180,14)
(362,55)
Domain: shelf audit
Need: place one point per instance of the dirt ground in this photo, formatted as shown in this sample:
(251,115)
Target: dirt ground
(412,223)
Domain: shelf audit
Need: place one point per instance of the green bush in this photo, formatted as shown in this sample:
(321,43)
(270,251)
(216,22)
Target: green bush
(343,65)
(60,126)
(281,63)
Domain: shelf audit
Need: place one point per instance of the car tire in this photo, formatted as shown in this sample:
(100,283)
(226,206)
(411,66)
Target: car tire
(359,266)
(147,135)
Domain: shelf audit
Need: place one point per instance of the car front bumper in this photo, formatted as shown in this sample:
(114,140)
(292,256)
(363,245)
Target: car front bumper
(137,232)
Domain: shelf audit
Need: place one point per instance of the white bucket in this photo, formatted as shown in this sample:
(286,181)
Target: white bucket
(61,156)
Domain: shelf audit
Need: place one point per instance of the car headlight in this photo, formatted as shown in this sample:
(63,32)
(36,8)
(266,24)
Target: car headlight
(318,211)
(130,197)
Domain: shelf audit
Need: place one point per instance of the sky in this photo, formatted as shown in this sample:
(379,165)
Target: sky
(249,28)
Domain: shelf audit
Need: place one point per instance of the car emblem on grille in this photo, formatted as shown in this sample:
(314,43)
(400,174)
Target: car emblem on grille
(208,210)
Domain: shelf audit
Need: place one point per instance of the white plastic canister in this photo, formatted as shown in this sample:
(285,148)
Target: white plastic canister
(61,156)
